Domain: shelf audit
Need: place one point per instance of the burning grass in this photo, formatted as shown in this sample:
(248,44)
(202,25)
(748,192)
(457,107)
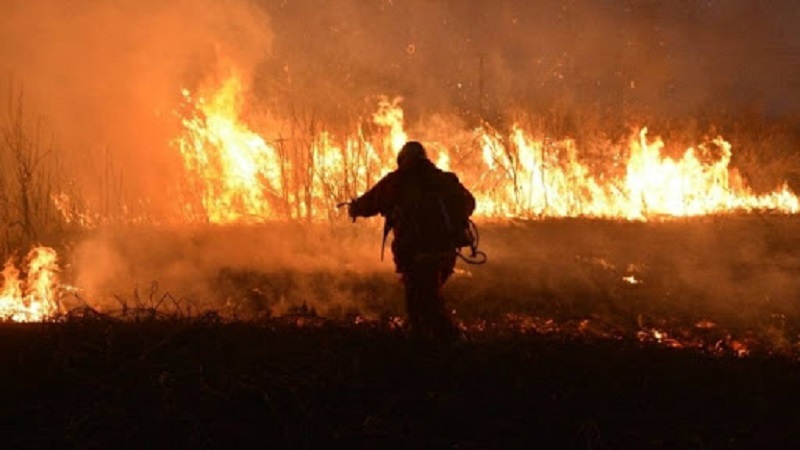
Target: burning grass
(235,174)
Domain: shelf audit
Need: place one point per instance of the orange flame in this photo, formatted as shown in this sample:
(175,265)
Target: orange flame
(35,298)
(534,179)
(390,115)
(235,170)
(239,177)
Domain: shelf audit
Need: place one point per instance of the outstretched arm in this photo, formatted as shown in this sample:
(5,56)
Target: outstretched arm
(378,200)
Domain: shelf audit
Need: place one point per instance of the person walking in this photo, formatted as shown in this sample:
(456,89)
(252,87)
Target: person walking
(428,211)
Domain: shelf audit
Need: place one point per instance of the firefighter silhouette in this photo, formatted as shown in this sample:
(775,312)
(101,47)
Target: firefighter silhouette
(425,208)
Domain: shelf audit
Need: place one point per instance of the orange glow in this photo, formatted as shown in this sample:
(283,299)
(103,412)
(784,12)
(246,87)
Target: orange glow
(533,180)
(234,172)
(35,297)
(239,177)
(390,116)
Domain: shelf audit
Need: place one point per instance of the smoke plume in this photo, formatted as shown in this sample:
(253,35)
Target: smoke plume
(106,77)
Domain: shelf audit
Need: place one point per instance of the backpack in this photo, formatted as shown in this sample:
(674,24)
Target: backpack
(432,210)
(442,221)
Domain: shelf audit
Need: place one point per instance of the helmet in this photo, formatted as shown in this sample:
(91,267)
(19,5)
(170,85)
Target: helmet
(411,151)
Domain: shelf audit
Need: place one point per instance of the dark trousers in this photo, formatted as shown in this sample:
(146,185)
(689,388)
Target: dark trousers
(423,279)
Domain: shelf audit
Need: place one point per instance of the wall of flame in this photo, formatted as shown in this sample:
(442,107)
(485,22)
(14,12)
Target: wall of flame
(236,175)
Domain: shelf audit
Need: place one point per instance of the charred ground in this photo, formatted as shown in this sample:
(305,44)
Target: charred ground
(99,383)
(283,344)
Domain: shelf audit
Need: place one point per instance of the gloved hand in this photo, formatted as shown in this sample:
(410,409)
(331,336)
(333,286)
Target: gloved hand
(352,211)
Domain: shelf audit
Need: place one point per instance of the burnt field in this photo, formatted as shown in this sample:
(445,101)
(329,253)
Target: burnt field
(580,333)
(199,383)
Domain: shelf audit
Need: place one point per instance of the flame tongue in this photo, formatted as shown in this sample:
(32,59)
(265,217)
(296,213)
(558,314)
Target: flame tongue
(240,178)
(35,298)
(234,169)
(533,178)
